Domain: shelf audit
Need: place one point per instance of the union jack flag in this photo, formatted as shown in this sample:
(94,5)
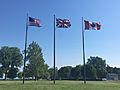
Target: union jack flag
(62,23)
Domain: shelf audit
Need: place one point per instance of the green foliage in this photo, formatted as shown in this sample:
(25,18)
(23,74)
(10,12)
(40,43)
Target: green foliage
(16,57)
(64,72)
(10,57)
(51,72)
(76,72)
(98,67)
(1,73)
(5,59)
(114,70)
(12,73)
(36,67)
(45,74)
(20,74)
(90,72)
(118,73)
(28,71)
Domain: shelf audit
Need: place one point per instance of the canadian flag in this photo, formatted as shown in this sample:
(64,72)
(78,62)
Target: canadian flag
(92,25)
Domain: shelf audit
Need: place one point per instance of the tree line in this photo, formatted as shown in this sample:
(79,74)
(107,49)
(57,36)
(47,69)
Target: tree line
(11,62)
(96,69)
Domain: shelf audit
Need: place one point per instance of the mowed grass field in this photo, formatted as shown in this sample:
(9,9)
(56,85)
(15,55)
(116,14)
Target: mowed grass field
(60,85)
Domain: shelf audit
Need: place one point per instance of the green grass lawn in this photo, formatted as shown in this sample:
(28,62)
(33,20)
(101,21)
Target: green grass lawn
(60,85)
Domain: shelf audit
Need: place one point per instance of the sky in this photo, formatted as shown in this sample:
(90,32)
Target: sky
(104,43)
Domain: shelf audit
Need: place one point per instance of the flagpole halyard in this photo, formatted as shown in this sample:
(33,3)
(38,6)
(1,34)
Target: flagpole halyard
(84,77)
(54,49)
(25,49)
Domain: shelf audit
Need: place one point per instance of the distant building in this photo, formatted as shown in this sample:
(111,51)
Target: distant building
(112,76)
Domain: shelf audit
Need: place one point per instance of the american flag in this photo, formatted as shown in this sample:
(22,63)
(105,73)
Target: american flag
(34,22)
(62,23)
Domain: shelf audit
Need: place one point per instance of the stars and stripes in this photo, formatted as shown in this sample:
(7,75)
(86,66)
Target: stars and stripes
(62,23)
(34,22)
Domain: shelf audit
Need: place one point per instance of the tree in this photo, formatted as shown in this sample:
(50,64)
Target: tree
(51,72)
(109,69)
(10,57)
(90,72)
(76,72)
(20,74)
(114,70)
(118,73)
(100,65)
(1,73)
(36,66)
(45,74)
(5,59)
(16,57)
(12,73)
(64,72)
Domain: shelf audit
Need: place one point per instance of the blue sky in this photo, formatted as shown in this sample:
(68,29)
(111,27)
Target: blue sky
(104,43)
